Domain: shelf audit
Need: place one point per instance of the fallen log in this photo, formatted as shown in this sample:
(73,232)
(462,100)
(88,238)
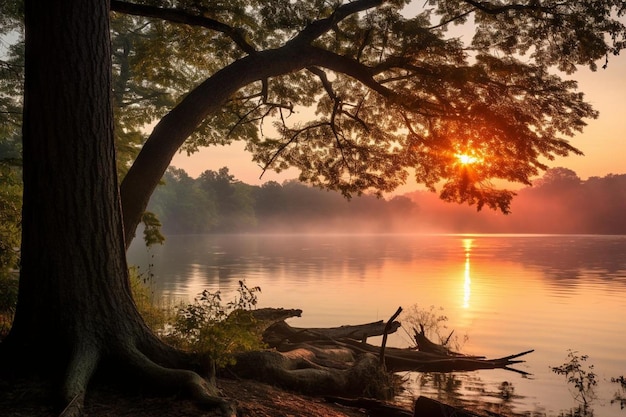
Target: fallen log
(266,317)
(338,361)
(435,358)
(400,360)
(281,332)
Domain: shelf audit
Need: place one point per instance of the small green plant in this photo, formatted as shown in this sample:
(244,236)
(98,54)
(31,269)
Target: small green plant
(209,326)
(152,229)
(583,380)
(155,313)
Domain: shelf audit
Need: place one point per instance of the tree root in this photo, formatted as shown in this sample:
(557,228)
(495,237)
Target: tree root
(81,368)
(127,362)
(297,371)
(177,381)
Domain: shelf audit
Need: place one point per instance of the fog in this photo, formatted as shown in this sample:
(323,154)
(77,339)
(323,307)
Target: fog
(216,202)
(555,204)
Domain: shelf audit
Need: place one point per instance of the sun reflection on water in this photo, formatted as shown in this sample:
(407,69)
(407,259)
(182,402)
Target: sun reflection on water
(467,283)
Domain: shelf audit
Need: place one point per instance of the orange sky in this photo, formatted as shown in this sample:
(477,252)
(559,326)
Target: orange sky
(602,142)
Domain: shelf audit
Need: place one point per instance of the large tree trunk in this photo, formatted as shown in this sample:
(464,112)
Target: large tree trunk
(74,305)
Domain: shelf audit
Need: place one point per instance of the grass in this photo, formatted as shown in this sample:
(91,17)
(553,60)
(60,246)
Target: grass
(8,300)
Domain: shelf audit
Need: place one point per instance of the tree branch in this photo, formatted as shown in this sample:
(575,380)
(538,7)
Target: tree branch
(385,333)
(317,28)
(289,142)
(452,19)
(365,75)
(489,8)
(325,82)
(184,17)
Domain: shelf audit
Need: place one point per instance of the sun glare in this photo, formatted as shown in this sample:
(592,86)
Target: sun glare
(466,159)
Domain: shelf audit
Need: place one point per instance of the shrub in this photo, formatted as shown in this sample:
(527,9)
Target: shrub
(584,380)
(209,326)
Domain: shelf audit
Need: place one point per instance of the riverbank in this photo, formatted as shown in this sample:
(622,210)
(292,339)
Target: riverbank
(252,399)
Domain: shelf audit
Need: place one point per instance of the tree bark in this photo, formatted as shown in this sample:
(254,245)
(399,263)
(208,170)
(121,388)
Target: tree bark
(75,307)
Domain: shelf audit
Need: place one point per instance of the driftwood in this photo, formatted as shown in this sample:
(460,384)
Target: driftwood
(266,317)
(387,330)
(425,345)
(398,360)
(338,360)
(281,333)
(324,344)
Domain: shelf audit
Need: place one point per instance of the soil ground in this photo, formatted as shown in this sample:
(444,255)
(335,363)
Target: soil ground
(252,399)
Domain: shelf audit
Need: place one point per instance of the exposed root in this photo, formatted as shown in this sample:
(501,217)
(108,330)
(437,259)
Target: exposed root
(298,371)
(177,381)
(128,361)
(75,407)
(81,368)
(169,357)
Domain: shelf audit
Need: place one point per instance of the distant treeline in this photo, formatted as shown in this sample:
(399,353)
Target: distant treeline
(560,202)
(216,202)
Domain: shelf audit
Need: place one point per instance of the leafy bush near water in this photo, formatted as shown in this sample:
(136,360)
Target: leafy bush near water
(206,325)
(219,330)
(583,380)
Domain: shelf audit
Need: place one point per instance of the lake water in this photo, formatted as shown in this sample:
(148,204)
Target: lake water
(508,293)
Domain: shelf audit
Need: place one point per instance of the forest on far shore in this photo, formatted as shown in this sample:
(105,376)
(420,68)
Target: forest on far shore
(216,202)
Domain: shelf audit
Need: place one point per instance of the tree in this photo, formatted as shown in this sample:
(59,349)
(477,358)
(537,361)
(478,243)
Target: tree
(391,93)
(232,199)
(74,287)
(559,177)
(182,205)
(11,78)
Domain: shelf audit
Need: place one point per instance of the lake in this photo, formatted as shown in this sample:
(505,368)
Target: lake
(508,293)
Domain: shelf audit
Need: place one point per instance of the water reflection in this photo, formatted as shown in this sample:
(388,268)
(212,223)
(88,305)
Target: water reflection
(467,390)
(508,293)
(467,283)
(565,261)
(447,386)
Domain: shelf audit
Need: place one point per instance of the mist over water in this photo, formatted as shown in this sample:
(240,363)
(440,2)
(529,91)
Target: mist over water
(509,293)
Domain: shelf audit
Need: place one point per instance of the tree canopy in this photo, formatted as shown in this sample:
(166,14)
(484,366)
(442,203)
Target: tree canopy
(392,88)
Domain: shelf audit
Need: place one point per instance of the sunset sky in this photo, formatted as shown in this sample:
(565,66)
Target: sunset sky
(603,141)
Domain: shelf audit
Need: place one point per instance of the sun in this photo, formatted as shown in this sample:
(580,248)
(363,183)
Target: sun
(466,159)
